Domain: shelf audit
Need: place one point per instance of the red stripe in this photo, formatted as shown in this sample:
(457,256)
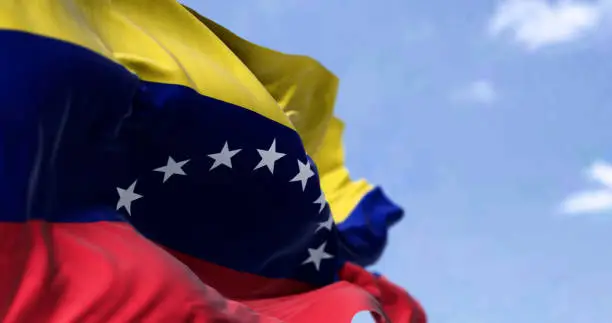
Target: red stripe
(107,272)
(240,285)
(101,272)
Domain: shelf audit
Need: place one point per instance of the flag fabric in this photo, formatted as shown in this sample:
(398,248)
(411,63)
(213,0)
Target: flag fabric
(152,170)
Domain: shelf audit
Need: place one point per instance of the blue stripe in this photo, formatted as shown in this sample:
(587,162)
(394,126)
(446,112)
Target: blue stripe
(366,229)
(74,126)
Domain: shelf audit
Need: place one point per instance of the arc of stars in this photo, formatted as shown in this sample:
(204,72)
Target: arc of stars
(268,160)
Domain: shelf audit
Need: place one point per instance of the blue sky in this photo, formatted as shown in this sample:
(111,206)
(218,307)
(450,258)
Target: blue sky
(489,122)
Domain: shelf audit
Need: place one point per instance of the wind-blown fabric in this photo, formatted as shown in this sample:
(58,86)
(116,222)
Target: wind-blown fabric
(149,173)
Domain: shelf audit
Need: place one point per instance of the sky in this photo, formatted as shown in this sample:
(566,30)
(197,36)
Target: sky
(488,121)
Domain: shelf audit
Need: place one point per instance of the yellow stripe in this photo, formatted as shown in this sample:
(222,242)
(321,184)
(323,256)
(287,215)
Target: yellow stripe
(159,40)
(343,194)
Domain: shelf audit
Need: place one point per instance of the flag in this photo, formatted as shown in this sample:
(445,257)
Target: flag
(149,175)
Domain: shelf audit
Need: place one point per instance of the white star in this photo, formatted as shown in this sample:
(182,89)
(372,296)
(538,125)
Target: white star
(321,201)
(269,157)
(224,157)
(126,197)
(327,224)
(304,174)
(317,255)
(172,168)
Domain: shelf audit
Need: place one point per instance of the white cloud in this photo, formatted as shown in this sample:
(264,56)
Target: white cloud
(480,91)
(593,201)
(601,172)
(538,23)
(588,202)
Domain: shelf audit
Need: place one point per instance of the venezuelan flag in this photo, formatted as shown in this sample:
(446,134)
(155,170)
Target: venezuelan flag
(156,168)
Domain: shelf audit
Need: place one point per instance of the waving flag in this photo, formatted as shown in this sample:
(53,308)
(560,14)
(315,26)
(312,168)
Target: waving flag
(144,159)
